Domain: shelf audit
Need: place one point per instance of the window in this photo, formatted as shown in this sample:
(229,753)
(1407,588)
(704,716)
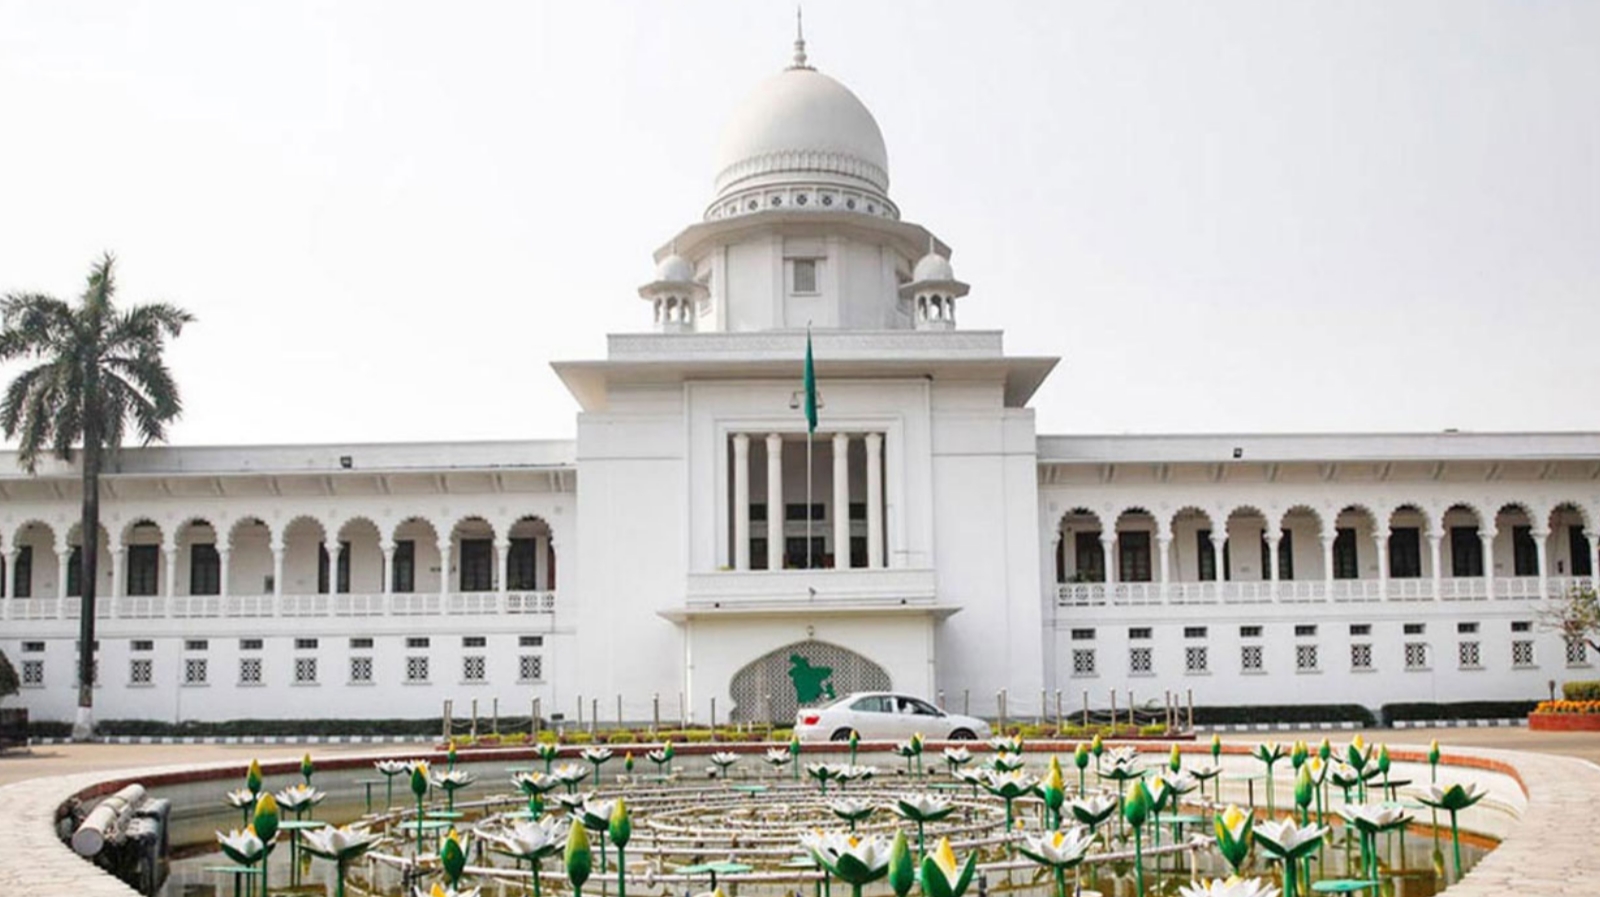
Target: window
(361,644)
(305,644)
(1250,659)
(1133,553)
(1346,559)
(75,572)
(1522,653)
(795,552)
(1469,655)
(196,644)
(1206,553)
(250,671)
(417,642)
(416,669)
(33,647)
(1285,557)
(1405,552)
(522,559)
(1467,628)
(530,668)
(141,671)
(1578,550)
(1305,630)
(858,511)
(142,645)
(1139,632)
(1524,553)
(1091,558)
(305,671)
(1194,659)
(404,576)
(144,569)
(1466,551)
(1305,657)
(249,644)
(530,641)
(758,552)
(194,671)
(341,569)
(1249,631)
(1194,632)
(477,565)
(472,668)
(22,573)
(33,673)
(361,669)
(1083,661)
(1083,635)
(1139,661)
(758,513)
(796,512)
(1416,655)
(873,704)
(1415,628)
(803,277)
(1360,628)
(1361,656)
(205,570)
(1521,625)
(1577,653)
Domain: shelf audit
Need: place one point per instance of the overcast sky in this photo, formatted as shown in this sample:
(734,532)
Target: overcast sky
(1262,216)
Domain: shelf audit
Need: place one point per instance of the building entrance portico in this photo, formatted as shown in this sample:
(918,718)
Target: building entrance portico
(772,518)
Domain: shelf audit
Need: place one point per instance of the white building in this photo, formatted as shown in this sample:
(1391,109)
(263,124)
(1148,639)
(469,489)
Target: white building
(663,553)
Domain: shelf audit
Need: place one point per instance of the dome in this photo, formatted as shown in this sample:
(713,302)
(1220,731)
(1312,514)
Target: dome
(802,125)
(675,269)
(933,266)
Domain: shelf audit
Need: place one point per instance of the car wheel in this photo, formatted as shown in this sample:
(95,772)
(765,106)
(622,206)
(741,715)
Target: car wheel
(963,735)
(840,735)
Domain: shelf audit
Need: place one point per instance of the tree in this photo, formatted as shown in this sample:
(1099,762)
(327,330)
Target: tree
(1576,615)
(99,370)
(8,678)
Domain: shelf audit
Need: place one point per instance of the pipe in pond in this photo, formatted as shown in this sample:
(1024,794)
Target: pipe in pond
(105,819)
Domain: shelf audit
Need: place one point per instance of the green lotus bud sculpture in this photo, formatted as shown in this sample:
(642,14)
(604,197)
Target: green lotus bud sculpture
(620,829)
(902,870)
(306,769)
(579,859)
(1433,761)
(266,828)
(1235,833)
(252,777)
(942,875)
(419,788)
(452,857)
(1080,759)
(855,741)
(1054,792)
(1136,809)
(1304,790)
(1175,759)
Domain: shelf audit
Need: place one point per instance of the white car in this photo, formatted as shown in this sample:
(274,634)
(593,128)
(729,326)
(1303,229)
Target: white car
(884,716)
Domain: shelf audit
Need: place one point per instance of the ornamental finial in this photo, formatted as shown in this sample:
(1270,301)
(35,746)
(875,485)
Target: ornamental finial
(799,39)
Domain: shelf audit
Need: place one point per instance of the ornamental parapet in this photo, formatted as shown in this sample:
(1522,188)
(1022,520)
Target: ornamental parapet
(1338,591)
(191,607)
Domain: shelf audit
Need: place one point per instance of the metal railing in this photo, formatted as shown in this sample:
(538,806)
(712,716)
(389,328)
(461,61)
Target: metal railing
(189,607)
(1342,591)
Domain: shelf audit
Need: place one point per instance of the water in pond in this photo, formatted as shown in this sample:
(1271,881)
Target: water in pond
(694,823)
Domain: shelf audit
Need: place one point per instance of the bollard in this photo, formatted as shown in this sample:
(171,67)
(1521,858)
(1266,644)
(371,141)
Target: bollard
(655,713)
(1191,709)
(494,721)
(966,701)
(1086,708)
(1000,697)
(683,715)
(1113,713)
(473,730)
(941,699)
(580,711)
(1130,709)
(533,719)
(1059,719)
(594,715)
(619,711)
(448,723)
(713,717)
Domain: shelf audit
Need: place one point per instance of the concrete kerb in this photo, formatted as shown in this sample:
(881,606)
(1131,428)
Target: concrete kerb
(1548,851)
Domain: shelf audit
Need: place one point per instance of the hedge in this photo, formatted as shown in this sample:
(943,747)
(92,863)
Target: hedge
(1431,712)
(1584,690)
(1267,714)
(234,728)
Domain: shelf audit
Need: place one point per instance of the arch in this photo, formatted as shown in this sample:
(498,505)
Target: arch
(248,521)
(1469,508)
(1080,512)
(1192,511)
(1572,507)
(1533,518)
(1243,511)
(1428,524)
(411,527)
(526,568)
(30,527)
(131,529)
(1303,510)
(799,674)
(473,526)
(1359,509)
(359,567)
(299,522)
(360,524)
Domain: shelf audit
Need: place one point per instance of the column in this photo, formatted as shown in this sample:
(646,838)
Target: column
(841,501)
(386,576)
(874,443)
(1164,545)
(11,583)
(444,566)
(330,547)
(541,563)
(63,561)
(1594,555)
(1327,567)
(774,501)
(116,571)
(171,554)
(277,569)
(1487,535)
(223,552)
(1108,558)
(1381,537)
(1273,537)
(741,501)
(1541,539)
(1435,556)
(1219,538)
(502,563)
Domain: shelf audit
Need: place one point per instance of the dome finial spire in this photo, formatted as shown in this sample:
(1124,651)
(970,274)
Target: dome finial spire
(799,39)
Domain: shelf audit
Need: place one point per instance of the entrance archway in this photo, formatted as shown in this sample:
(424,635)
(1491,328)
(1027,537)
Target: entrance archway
(772,687)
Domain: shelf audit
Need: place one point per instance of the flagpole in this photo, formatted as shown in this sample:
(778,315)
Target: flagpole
(811,430)
(808,498)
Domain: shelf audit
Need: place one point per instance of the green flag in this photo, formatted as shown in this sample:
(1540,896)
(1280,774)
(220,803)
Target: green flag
(811,388)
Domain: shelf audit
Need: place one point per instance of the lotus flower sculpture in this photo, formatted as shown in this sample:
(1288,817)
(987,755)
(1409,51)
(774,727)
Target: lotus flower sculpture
(595,815)
(1269,753)
(439,890)
(1059,851)
(943,875)
(534,786)
(1290,843)
(854,773)
(1372,821)
(597,757)
(723,760)
(857,861)
(341,846)
(243,800)
(1008,786)
(778,758)
(660,756)
(242,846)
(573,802)
(1345,776)
(1092,811)
(1235,833)
(452,781)
(823,773)
(1006,744)
(1206,772)
(570,774)
(851,810)
(533,841)
(299,799)
(956,757)
(1453,799)
(922,809)
(1233,886)
(547,751)
(1006,762)
(389,769)
(911,750)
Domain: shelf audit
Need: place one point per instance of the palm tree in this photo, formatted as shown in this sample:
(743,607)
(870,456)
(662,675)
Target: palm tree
(99,368)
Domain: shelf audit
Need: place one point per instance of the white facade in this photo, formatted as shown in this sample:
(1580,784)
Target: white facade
(661,558)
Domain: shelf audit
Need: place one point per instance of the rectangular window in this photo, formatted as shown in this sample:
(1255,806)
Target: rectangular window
(1194,659)
(1416,655)
(1577,653)
(1415,628)
(144,570)
(1194,632)
(305,644)
(1133,553)
(858,511)
(141,671)
(1139,632)
(477,565)
(359,644)
(194,671)
(858,551)
(758,513)
(1305,630)
(530,668)
(1524,554)
(250,671)
(1139,661)
(472,668)
(1090,557)
(804,276)
(1360,628)
(796,512)
(205,570)
(758,552)
(416,669)
(1250,659)
(1083,661)
(1466,551)
(197,644)
(1083,635)
(1361,656)
(1521,625)
(1305,657)
(474,641)
(1405,552)
(341,569)
(33,673)
(1249,631)
(250,644)
(794,556)
(1469,656)
(1206,554)
(75,572)
(404,575)
(417,642)
(1578,550)
(33,647)
(523,556)
(1285,557)
(1522,654)
(361,669)
(305,671)
(1346,559)
(530,641)
(1466,628)
(22,573)
(142,645)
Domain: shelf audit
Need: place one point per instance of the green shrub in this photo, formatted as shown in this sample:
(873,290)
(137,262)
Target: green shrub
(1429,712)
(1582,690)
(1153,730)
(697,736)
(9,683)
(1268,714)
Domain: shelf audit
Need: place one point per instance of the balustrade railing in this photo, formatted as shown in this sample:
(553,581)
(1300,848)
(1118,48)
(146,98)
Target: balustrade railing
(189,607)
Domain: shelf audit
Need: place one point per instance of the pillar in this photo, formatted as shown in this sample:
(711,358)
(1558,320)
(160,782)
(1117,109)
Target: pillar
(1541,538)
(330,547)
(541,563)
(117,554)
(1381,537)
(170,553)
(874,442)
(1327,566)
(1435,557)
(1487,535)
(63,561)
(386,576)
(1594,555)
(277,569)
(1164,545)
(1108,558)
(444,566)
(1273,537)
(841,501)
(774,501)
(1219,538)
(502,565)
(223,552)
(11,584)
(741,501)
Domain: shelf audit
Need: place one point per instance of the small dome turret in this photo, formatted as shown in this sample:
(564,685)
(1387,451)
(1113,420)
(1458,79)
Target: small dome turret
(933,292)
(933,266)
(674,294)
(675,269)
